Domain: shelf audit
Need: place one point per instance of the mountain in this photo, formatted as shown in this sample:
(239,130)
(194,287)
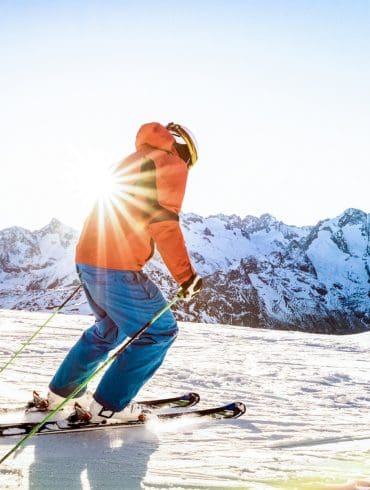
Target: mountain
(258,272)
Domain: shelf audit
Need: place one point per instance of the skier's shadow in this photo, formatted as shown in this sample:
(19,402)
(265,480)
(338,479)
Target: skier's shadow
(112,459)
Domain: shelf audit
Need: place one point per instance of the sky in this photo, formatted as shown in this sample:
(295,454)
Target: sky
(276,92)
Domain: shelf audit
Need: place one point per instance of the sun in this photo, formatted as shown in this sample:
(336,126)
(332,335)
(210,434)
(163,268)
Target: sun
(100,185)
(119,192)
(107,186)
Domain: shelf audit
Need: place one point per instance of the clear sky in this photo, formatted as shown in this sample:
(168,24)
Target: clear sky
(277,92)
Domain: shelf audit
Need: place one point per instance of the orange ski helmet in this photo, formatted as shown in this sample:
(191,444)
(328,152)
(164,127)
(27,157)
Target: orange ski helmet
(186,144)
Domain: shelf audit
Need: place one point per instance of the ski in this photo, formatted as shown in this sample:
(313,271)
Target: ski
(230,411)
(182,401)
(185,400)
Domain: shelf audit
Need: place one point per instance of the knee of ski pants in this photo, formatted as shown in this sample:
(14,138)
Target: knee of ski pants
(163,335)
(104,331)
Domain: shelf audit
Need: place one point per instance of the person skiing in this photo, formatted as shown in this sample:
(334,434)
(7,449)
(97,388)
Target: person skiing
(117,240)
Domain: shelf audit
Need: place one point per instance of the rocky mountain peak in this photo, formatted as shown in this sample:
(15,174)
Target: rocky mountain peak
(352,216)
(55,226)
(257,271)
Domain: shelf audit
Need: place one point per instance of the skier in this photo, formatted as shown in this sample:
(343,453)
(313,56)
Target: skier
(117,239)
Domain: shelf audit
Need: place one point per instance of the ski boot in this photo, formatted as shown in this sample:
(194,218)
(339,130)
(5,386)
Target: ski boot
(98,414)
(52,401)
(37,404)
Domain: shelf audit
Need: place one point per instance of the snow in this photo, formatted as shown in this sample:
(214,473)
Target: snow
(342,267)
(355,239)
(313,278)
(305,392)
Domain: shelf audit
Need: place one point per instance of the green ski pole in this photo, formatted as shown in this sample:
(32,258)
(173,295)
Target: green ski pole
(87,380)
(39,329)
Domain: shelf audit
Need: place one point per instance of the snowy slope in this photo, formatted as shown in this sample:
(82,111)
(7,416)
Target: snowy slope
(258,271)
(299,389)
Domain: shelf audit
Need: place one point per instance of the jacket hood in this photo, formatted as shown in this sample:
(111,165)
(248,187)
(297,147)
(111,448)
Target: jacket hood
(155,135)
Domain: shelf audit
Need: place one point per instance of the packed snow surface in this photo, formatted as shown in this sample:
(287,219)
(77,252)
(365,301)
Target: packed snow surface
(307,420)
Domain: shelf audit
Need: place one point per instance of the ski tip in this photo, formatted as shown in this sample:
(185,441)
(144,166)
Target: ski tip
(192,398)
(237,409)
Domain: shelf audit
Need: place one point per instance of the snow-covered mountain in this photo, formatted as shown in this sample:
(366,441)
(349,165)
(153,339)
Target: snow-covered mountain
(258,271)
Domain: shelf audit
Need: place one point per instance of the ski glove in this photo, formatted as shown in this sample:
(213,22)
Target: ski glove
(190,288)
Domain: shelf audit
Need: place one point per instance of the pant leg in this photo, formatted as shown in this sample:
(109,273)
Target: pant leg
(137,364)
(128,300)
(90,350)
(133,368)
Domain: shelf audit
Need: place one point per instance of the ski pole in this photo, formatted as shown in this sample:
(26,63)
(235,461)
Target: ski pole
(39,329)
(89,378)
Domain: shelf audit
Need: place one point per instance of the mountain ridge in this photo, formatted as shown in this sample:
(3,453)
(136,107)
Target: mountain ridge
(258,271)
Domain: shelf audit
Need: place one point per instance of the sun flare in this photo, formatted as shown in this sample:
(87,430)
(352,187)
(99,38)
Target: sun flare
(119,193)
(101,186)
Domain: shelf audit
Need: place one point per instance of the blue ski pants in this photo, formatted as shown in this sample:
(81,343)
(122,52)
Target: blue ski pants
(122,302)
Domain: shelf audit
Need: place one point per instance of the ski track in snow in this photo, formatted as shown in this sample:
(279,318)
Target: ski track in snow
(298,388)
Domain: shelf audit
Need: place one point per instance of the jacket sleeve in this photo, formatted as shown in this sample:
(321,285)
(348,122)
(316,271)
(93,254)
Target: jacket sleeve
(164,226)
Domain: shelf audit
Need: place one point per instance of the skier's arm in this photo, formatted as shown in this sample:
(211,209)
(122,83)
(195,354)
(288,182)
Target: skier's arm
(170,243)
(164,226)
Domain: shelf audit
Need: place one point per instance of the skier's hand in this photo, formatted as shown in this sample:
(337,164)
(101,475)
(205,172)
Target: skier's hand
(190,288)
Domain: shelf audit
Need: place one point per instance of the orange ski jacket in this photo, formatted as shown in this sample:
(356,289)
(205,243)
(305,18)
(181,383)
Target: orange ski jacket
(121,231)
